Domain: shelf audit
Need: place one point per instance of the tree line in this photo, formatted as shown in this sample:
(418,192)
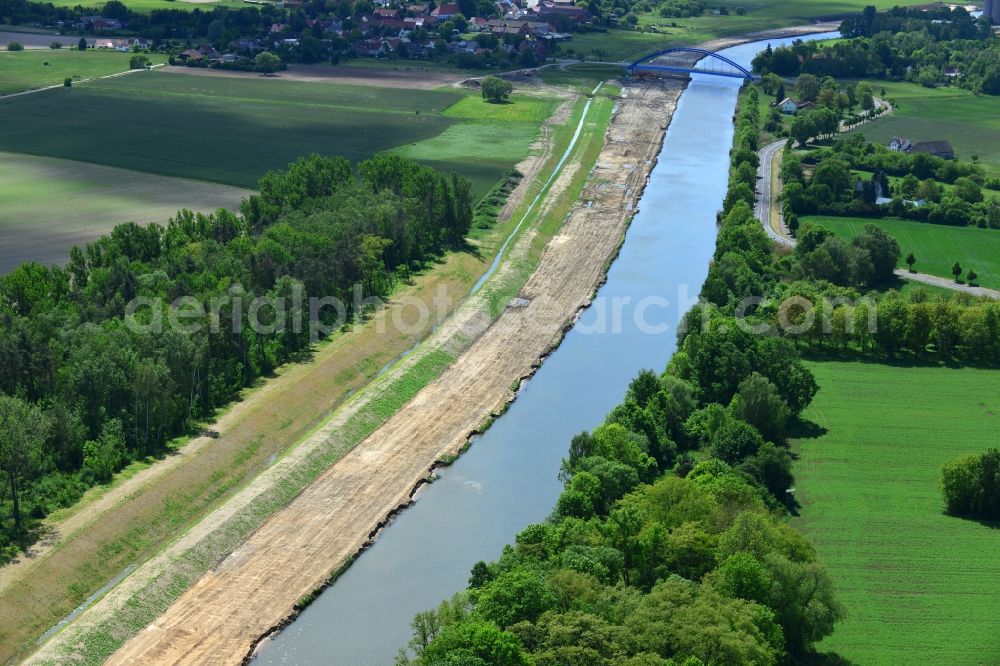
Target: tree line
(900,45)
(104,386)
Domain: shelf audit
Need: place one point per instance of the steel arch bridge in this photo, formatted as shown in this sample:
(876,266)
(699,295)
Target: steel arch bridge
(646,63)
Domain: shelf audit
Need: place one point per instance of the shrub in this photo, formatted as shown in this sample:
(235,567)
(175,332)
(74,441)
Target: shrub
(15,46)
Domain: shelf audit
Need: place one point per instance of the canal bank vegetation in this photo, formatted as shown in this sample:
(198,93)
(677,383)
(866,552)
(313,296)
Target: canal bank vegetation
(106,387)
(668,544)
(152,588)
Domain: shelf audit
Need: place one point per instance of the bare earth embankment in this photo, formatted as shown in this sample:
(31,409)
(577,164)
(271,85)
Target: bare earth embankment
(253,589)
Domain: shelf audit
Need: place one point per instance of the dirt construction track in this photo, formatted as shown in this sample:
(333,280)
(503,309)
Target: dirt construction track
(220,619)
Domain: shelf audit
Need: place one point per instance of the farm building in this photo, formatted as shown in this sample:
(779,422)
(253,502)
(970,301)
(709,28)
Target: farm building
(940,149)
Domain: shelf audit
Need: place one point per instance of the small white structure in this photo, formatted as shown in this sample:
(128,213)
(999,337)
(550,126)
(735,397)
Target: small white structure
(788,106)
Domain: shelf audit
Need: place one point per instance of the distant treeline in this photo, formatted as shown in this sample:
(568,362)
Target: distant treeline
(667,545)
(107,389)
(901,44)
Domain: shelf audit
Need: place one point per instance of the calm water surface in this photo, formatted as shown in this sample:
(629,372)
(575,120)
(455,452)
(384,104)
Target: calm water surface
(507,480)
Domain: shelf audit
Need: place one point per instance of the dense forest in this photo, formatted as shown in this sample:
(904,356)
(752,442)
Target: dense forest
(667,545)
(102,382)
(902,44)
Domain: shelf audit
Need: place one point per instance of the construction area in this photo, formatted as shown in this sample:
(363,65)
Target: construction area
(255,588)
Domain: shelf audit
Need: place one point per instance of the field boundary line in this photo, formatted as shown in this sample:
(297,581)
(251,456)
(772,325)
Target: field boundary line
(93,78)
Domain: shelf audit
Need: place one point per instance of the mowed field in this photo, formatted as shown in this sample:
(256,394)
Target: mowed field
(920,587)
(231,130)
(26,70)
(970,122)
(935,246)
(47,205)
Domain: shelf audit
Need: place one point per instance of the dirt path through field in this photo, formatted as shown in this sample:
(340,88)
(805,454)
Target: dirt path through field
(221,617)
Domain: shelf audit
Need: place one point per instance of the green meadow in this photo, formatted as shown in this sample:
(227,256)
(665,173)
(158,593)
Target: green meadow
(231,130)
(936,247)
(970,122)
(582,77)
(29,69)
(920,587)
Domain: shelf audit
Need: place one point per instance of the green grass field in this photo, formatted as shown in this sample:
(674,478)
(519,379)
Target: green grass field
(581,77)
(146,6)
(936,247)
(26,70)
(232,130)
(48,205)
(520,109)
(970,122)
(920,587)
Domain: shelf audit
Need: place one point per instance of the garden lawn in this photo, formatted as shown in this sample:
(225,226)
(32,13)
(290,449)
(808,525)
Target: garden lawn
(920,587)
(25,70)
(971,123)
(936,247)
(232,130)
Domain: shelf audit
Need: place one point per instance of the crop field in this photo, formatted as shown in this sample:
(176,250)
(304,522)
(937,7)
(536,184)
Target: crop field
(936,247)
(25,70)
(920,587)
(48,205)
(232,130)
(145,6)
(970,122)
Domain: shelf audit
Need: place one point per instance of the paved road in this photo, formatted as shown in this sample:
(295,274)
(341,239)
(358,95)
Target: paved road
(766,199)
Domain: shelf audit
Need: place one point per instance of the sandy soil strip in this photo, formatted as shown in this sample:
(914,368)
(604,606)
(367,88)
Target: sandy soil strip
(222,616)
(776,33)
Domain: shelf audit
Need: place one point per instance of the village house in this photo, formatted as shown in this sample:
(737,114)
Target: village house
(97,23)
(547,8)
(788,105)
(446,11)
(900,145)
(121,45)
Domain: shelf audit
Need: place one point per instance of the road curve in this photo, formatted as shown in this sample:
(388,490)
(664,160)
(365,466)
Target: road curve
(767,199)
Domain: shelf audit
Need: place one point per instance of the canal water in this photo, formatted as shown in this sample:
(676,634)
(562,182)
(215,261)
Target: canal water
(507,479)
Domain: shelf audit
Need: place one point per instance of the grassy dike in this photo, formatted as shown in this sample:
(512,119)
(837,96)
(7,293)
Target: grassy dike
(173,572)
